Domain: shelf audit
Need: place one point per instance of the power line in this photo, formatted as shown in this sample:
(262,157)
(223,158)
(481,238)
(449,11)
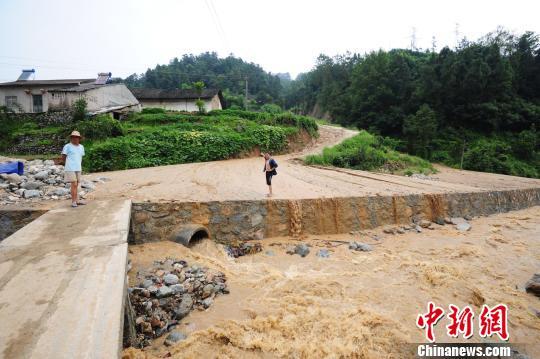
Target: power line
(219,23)
(54,61)
(215,20)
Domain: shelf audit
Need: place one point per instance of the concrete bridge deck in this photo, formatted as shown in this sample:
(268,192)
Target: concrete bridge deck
(62,283)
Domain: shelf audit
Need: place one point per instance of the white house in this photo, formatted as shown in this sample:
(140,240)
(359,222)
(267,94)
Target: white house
(178,99)
(34,96)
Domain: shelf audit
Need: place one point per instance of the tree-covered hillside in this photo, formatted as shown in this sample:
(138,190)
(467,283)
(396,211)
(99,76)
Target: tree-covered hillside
(478,103)
(476,106)
(228,74)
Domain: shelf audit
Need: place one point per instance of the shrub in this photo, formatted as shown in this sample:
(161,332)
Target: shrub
(162,147)
(169,145)
(366,152)
(153,110)
(271,108)
(495,155)
(100,127)
(420,129)
(487,156)
(440,156)
(79,109)
(526,144)
(200,105)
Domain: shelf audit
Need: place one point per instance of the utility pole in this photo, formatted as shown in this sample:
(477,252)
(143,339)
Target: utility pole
(462,154)
(413,39)
(246,99)
(457,35)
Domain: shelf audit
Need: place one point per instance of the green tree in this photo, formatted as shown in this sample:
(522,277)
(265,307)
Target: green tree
(79,109)
(199,87)
(271,108)
(420,130)
(223,73)
(526,144)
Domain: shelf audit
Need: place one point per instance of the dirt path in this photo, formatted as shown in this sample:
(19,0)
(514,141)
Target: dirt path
(357,304)
(243,179)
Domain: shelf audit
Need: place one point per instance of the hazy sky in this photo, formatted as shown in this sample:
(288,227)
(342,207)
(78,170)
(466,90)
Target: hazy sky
(72,38)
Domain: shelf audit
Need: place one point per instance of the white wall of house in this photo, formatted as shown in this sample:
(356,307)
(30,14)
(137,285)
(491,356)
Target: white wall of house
(107,96)
(25,98)
(97,98)
(183,105)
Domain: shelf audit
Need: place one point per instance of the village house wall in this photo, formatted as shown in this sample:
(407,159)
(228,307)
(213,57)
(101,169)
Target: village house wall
(97,98)
(188,105)
(24,96)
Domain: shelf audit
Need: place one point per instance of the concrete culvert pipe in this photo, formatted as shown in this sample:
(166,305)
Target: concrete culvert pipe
(188,234)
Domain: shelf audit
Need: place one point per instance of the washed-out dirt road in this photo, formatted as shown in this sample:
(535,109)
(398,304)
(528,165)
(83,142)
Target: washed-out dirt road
(243,179)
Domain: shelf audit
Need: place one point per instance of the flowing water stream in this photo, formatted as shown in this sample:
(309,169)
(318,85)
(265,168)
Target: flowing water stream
(356,304)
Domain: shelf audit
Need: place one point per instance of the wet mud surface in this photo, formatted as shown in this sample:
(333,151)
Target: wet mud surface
(354,303)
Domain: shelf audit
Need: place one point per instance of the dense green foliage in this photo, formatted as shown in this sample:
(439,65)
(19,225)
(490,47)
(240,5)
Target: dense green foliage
(79,109)
(154,138)
(8,124)
(368,152)
(153,110)
(274,119)
(271,108)
(228,74)
(477,99)
(100,127)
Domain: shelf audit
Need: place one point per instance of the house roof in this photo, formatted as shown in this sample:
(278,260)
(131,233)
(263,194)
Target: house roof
(27,83)
(173,94)
(83,87)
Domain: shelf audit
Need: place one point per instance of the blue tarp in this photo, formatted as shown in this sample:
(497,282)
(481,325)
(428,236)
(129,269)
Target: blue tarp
(12,167)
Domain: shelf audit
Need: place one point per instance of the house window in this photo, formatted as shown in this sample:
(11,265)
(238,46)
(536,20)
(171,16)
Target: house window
(11,102)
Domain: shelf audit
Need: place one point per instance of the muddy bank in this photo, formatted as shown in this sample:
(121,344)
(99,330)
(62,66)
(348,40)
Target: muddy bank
(357,304)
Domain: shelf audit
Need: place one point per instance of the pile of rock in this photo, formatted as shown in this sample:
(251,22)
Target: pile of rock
(240,249)
(460,223)
(361,247)
(414,227)
(43,180)
(423,177)
(168,292)
(533,285)
(301,249)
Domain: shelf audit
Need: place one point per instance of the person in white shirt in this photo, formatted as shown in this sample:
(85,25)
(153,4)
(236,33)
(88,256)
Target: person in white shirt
(72,155)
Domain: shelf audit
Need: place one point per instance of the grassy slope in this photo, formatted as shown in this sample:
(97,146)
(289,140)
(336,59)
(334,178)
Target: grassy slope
(367,152)
(156,137)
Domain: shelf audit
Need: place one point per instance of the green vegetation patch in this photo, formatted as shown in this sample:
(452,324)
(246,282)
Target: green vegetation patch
(155,138)
(475,106)
(368,152)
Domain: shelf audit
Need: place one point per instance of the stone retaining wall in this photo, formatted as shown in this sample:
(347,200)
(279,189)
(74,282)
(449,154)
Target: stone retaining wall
(48,118)
(258,219)
(11,220)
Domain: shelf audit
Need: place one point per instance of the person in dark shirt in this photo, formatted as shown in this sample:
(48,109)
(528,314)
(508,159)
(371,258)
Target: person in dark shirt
(270,166)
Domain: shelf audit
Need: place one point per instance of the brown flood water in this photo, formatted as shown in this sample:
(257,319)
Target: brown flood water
(357,304)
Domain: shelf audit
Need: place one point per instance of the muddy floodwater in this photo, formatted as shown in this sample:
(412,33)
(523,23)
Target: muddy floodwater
(356,304)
